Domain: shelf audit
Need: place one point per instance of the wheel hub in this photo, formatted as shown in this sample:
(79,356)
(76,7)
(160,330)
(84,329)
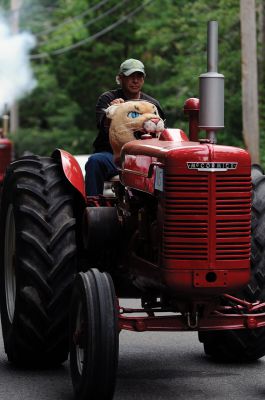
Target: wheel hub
(9,263)
(78,338)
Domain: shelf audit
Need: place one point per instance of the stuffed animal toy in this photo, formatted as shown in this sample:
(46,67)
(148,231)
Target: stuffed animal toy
(131,119)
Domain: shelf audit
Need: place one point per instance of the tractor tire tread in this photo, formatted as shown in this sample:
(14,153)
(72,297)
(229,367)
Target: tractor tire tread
(46,260)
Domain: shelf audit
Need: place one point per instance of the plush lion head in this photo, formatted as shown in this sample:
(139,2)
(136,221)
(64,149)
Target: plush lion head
(130,118)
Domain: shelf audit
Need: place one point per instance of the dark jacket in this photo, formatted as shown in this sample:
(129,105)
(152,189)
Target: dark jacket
(101,142)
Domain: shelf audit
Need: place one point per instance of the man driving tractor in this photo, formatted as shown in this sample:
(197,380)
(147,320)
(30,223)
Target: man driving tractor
(100,165)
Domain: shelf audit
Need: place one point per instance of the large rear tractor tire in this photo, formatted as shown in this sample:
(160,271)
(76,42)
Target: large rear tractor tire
(246,345)
(37,261)
(93,336)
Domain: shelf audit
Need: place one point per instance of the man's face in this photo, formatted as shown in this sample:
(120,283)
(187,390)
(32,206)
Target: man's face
(133,83)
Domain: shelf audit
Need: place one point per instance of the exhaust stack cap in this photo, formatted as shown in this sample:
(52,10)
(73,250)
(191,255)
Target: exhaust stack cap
(211,86)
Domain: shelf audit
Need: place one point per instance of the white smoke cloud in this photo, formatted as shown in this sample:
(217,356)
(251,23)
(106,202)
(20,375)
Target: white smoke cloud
(16,76)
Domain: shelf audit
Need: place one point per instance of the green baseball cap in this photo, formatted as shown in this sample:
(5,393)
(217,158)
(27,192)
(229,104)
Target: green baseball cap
(130,66)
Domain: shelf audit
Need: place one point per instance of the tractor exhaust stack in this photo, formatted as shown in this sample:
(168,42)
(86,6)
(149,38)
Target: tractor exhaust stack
(211,88)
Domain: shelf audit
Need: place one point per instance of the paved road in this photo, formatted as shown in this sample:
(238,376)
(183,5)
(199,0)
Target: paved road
(172,366)
(153,366)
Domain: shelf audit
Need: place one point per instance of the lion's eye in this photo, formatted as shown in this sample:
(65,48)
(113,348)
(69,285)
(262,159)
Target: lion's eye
(133,114)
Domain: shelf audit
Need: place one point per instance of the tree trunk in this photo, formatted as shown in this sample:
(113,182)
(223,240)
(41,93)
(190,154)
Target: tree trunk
(249,78)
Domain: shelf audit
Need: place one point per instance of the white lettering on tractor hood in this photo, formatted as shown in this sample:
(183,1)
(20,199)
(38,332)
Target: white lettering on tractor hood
(212,166)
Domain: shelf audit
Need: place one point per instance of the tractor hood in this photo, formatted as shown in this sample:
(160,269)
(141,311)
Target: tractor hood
(143,161)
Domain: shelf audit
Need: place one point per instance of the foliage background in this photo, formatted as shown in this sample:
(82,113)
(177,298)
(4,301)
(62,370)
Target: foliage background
(169,36)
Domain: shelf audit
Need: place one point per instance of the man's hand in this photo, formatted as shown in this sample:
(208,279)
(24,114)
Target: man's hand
(116,101)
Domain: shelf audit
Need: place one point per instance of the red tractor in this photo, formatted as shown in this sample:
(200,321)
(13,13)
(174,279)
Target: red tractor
(184,233)
(6,148)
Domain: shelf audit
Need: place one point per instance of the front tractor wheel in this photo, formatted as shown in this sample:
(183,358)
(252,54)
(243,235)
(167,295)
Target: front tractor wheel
(93,336)
(37,261)
(246,345)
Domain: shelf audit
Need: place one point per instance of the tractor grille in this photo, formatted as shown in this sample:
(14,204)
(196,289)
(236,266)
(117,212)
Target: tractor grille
(194,212)
(186,217)
(233,217)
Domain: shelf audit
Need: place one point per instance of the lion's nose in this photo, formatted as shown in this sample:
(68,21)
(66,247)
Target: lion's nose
(155,120)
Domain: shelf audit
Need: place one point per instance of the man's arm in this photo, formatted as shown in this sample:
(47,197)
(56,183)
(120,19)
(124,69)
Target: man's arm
(102,104)
(101,142)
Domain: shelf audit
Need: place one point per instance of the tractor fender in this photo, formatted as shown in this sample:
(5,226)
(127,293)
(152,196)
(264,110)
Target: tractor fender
(71,169)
